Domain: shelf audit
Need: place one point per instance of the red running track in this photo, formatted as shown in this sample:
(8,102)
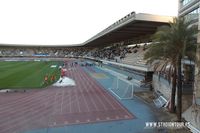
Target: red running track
(87,102)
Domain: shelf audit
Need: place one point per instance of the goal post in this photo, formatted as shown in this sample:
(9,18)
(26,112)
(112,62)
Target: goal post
(122,88)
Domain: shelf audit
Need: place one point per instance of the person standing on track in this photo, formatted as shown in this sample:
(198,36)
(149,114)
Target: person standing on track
(72,64)
(46,79)
(62,72)
(53,78)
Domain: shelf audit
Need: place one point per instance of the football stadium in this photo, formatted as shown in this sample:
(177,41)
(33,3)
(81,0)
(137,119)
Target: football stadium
(111,83)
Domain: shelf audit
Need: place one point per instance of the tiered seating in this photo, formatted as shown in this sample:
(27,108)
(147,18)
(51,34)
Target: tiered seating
(132,54)
(135,58)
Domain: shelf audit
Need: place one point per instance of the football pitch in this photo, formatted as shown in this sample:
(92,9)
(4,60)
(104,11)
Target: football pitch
(27,74)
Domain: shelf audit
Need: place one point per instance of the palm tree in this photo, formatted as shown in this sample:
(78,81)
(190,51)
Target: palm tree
(171,44)
(197,74)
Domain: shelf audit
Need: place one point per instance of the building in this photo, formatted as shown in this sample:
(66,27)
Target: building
(190,9)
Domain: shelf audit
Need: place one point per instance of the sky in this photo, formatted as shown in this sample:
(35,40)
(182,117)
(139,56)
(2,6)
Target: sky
(67,22)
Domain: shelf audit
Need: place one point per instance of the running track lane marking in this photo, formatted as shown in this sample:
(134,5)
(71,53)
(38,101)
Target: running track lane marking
(113,98)
(61,107)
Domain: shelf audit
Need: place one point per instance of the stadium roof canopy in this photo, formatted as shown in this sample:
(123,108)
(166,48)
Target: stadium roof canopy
(132,26)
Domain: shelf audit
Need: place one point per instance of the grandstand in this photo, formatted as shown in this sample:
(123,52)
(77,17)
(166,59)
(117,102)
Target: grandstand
(122,45)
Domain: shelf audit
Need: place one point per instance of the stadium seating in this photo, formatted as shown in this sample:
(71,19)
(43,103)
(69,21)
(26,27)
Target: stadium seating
(117,52)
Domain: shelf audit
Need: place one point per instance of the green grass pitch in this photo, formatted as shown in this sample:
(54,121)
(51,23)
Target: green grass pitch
(26,74)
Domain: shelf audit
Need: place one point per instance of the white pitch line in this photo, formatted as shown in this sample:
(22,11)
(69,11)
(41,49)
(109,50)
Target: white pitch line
(70,110)
(85,102)
(77,99)
(106,97)
(61,108)
(96,108)
(97,97)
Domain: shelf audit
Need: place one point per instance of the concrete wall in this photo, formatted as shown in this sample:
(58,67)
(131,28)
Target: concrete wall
(192,114)
(197,69)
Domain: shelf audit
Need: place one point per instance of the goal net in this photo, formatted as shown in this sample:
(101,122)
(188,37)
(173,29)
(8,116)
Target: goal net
(122,88)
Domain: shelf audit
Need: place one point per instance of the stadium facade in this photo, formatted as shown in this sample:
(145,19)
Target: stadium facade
(190,9)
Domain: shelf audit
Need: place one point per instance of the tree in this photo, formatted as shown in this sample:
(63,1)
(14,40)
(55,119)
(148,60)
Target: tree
(171,44)
(197,74)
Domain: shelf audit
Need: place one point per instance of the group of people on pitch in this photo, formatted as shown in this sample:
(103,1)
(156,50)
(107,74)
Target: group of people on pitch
(49,79)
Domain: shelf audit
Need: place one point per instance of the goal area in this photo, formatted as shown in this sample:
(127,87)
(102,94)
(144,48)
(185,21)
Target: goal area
(122,88)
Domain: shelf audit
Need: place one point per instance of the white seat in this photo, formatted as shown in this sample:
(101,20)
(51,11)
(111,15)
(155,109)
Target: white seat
(160,101)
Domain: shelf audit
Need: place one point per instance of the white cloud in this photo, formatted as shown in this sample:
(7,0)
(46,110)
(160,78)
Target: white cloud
(68,21)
